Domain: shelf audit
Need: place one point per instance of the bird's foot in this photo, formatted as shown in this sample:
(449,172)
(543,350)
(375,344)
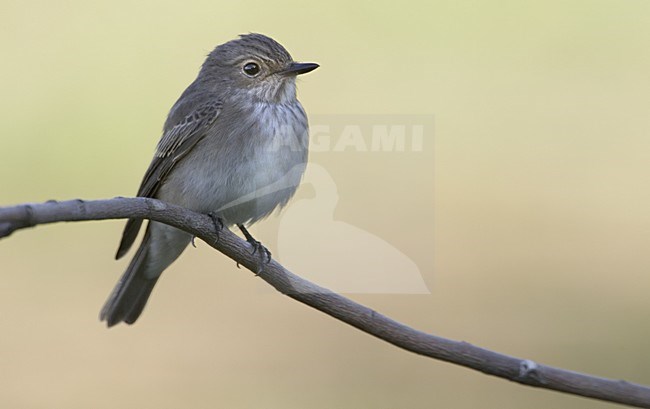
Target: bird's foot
(263,252)
(218,225)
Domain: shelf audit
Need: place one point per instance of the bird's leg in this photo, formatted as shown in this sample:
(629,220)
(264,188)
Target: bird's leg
(265,254)
(218,224)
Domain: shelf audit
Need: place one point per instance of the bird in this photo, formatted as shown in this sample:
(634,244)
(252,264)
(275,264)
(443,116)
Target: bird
(236,130)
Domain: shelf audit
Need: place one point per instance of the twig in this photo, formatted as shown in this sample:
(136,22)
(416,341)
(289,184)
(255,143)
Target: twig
(515,369)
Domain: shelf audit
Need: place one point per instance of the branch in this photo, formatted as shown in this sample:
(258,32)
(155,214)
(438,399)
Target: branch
(461,353)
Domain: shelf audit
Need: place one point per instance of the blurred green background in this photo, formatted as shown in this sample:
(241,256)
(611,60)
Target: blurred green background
(539,199)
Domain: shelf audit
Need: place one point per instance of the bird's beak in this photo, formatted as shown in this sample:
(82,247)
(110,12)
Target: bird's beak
(297,68)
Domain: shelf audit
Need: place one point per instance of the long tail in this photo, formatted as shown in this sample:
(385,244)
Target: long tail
(160,246)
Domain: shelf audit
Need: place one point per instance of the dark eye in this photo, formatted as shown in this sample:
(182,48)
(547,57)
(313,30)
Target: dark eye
(251,69)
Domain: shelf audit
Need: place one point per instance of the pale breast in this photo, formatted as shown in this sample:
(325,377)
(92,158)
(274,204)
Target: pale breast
(246,167)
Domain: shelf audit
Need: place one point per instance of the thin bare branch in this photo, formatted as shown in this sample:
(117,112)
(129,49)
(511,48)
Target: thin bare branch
(461,353)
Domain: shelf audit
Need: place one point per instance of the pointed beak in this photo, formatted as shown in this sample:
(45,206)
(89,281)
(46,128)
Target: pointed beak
(297,68)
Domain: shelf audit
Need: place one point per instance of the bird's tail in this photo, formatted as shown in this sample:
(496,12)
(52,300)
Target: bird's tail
(159,248)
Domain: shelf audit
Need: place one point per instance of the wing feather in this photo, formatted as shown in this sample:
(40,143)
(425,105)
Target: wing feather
(174,145)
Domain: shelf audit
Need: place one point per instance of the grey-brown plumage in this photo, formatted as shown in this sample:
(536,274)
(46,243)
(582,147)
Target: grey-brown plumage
(234,145)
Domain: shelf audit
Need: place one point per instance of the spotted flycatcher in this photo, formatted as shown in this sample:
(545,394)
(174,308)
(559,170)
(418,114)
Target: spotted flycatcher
(234,146)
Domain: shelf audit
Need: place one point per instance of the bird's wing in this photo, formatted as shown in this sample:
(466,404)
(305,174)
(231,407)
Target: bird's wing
(174,145)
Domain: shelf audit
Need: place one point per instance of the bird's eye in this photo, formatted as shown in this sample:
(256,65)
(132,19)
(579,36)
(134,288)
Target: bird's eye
(251,69)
